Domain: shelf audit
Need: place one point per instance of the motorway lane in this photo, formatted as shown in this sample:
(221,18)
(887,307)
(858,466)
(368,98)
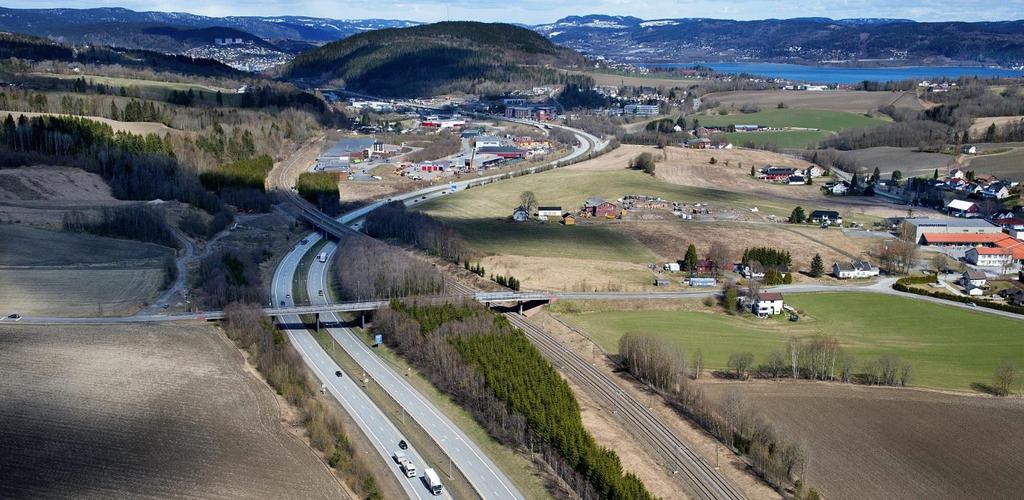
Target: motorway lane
(371,420)
(487,479)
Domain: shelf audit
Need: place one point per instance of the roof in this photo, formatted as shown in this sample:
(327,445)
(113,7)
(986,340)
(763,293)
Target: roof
(844,266)
(991,251)
(348,145)
(964,239)
(967,223)
(769,296)
(974,275)
(520,208)
(961,205)
(551,208)
(487,138)
(1016,247)
(500,149)
(828,213)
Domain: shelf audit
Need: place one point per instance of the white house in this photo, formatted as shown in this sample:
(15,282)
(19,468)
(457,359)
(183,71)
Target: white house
(672,267)
(520,214)
(969,149)
(957,173)
(963,208)
(973,279)
(839,188)
(997,190)
(767,304)
(854,269)
(989,257)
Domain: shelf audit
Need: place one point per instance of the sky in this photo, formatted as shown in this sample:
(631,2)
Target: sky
(545,11)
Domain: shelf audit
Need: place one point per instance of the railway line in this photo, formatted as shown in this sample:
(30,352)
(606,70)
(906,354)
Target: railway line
(700,477)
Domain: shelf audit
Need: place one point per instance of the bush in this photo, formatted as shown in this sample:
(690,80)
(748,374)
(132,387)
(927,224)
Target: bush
(645,162)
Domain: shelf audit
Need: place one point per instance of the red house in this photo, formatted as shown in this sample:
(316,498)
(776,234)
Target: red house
(600,208)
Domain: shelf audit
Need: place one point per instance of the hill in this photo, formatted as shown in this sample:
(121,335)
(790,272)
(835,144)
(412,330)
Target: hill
(800,40)
(435,58)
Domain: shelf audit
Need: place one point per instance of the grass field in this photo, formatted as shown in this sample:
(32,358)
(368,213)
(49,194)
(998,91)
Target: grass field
(948,347)
(1009,164)
(135,82)
(821,119)
(144,411)
(787,139)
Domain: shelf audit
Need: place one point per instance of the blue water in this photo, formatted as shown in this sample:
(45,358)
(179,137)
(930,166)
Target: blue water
(832,74)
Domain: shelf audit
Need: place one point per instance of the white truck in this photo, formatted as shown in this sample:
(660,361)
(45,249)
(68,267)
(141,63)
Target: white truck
(433,482)
(407,466)
(322,257)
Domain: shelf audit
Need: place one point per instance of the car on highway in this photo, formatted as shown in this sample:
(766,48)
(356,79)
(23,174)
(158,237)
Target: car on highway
(337,373)
(321,293)
(14,316)
(303,242)
(282,303)
(403,445)
(287,295)
(972,304)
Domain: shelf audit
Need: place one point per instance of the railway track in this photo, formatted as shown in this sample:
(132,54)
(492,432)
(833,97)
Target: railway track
(700,477)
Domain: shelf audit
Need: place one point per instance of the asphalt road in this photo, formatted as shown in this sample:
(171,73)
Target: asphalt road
(371,420)
(487,479)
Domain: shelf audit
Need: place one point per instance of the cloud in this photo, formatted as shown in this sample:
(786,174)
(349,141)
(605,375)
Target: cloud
(544,11)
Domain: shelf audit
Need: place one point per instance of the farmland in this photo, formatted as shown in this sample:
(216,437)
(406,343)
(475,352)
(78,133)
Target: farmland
(159,411)
(949,348)
(1008,164)
(908,161)
(869,442)
(785,139)
(115,81)
(76,274)
(141,128)
(853,101)
(797,118)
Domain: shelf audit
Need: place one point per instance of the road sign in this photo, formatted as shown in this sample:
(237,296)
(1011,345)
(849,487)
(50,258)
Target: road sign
(454,187)
(378,340)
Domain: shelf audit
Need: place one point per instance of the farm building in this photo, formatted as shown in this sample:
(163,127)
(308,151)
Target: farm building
(661,282)
(776,174)
(767,304)
(826,217)
(672,267)
(701,282)
(854,269)
(520,214)
(569,219)
(963,208)
(549,211)
(839,188)
(598,207)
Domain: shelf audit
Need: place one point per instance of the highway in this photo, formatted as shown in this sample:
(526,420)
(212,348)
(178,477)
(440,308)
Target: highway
(486,478)
(371,420)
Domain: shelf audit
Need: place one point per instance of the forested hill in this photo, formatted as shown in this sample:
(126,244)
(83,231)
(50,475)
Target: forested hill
(435,58)
(801,40)
(33,48)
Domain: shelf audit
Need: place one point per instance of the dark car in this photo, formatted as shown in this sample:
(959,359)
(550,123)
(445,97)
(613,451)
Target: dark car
(14,316)
(402,444)
(282,303)
(337,373)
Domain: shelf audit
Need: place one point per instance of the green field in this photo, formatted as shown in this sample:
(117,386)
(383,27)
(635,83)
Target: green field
(948,347)
(802,118)
(787,139)
(480,214)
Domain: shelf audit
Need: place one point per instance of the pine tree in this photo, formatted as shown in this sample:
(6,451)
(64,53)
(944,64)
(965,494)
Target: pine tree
(817,266)
(690,260)
(798,216)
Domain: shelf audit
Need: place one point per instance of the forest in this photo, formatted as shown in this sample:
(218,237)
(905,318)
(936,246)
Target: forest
(394,222)
(369,269)
(493,371)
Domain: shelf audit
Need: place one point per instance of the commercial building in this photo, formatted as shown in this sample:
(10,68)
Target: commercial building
(344,152)
(919,227)
(989,257)
(641,109)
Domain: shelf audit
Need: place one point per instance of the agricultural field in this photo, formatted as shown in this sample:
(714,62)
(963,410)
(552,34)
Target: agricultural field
(50,273)
(871,442)
(949,348)
(115,81)
(908,161)
(819,119)
(852,101)
(157,411)
(785,139)
(140,128)
(637,80)
(1006,162)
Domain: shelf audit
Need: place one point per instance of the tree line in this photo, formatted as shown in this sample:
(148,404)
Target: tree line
(394,222)
(136,223)
(491,369)
(284,370)
(369,269)
(320,189)
(231,275)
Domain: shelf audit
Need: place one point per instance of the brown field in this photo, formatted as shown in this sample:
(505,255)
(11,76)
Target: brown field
(141,128)
(908,161)
(637,81)
(869,442)
(855,101)
(50,273)
(40,195)
(1006,164)
(144,411)
(981,125)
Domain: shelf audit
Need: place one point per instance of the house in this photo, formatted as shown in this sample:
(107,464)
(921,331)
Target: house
(661,282)
(957,173)
(989,257)
(777,173)
(520,214)
(598,207)
(996,190)
(795,180)
(705,266)
(699,143)
(973,279)
(854,269)
(826,217)
(549,211)
(839,188)
(814,171)
(672,267)
(963,208)
(1013,297)
(568,219)
(767,304)
(754,270)
(969,149)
